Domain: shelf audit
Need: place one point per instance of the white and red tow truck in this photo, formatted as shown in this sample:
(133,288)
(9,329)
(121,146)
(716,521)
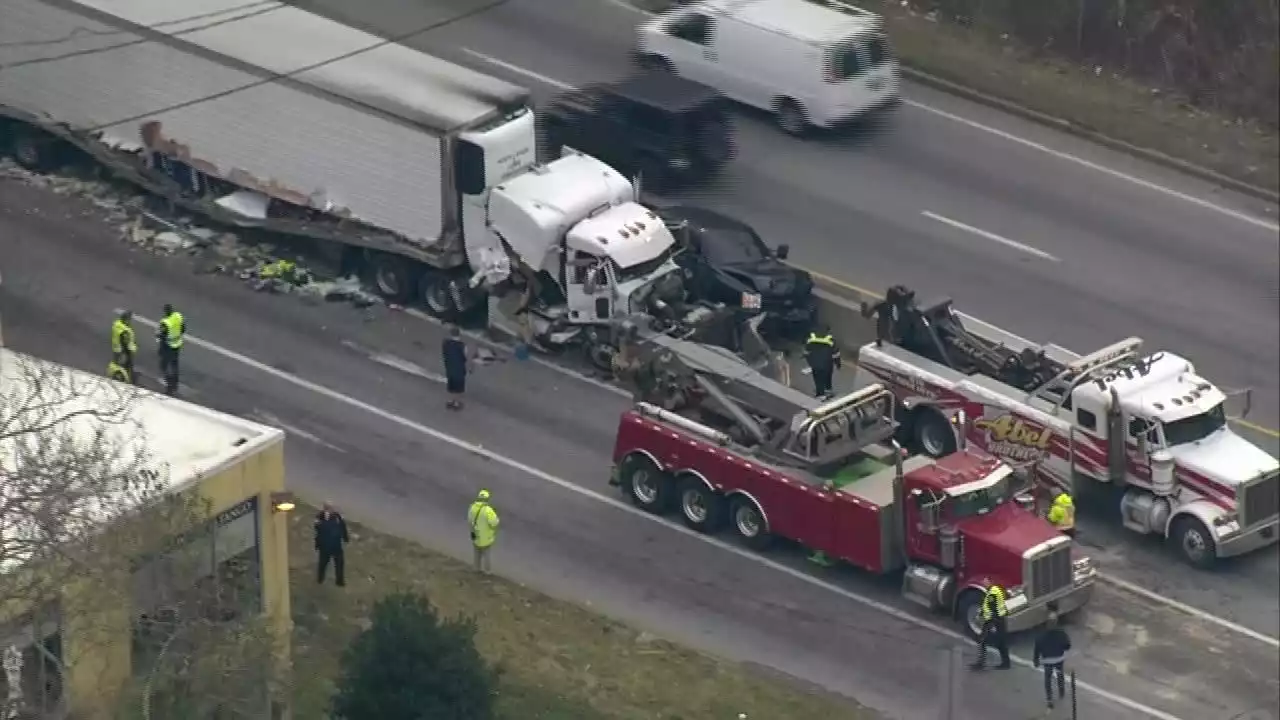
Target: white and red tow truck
(1121,424)
(720,443)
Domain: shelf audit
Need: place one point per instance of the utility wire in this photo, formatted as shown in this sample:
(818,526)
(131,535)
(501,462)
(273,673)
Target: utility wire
(141,41)
(276,77)
(86,32)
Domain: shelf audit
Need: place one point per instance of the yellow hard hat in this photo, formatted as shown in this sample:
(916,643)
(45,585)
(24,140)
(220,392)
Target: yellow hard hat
(484,495)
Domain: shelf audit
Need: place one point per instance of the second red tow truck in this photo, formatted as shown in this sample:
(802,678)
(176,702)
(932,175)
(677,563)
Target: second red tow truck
(722,443)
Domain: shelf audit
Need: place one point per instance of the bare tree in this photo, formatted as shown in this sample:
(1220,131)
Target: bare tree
(87,518)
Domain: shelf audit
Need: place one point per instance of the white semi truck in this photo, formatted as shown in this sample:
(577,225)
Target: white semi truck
(264,115)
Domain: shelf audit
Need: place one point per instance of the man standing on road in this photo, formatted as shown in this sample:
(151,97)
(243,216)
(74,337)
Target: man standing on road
(455,367)
(331,540)
(995,628)
(170,335)
(124,348)
(483,520)
(1050,652)
(823,357)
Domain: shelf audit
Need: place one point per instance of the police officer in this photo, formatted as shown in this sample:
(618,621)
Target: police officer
(483,520)
(995,628)
(124,348)
(169,336)
(823,356)
(1063,514)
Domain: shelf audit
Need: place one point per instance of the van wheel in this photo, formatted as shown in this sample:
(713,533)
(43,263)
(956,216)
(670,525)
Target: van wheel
(655,63)
(791,117)
(749,523)
(394,277)
(701,508)
(933,435)
(649,488)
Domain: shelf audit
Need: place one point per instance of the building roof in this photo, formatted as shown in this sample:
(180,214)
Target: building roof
(179,441)
(806,20)
(278,39)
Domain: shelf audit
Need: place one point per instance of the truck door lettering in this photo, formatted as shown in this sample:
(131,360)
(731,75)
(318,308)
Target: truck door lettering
(1014,438)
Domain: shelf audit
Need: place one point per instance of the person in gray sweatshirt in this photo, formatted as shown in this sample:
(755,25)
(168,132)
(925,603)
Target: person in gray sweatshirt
(1052,646)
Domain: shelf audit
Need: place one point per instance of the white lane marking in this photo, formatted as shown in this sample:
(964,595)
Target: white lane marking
(1105,577)
(990,236)
(1192,611)
(405,366)
(519,70)
(568,486)
(269,419)
(1041,147)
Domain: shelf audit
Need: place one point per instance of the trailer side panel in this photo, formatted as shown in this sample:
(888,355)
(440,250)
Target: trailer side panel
(225,119)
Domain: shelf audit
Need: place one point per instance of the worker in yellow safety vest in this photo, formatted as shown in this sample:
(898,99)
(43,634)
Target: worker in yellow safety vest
(1063,514)
(124,348)
(823,356)
(995,628)
(483,520)
(170,335)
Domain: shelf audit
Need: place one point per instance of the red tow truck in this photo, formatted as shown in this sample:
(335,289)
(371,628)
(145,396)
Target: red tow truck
(721,443)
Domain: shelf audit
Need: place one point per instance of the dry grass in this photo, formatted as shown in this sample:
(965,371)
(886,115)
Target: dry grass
(1112,106)
(558,660)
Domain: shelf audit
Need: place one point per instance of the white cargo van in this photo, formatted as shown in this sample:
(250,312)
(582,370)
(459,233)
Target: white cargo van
(810,63)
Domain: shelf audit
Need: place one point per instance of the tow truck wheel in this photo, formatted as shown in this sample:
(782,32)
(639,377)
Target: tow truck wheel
(1193,542)
(969,613)
(749,523)
(649,488)
(701,508)
(934,436)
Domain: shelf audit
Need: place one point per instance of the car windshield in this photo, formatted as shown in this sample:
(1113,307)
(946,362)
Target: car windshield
(981,501)
(732,246)
(1196,427)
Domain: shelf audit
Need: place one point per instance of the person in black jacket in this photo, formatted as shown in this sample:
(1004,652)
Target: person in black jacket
(1052,645)
(455,367)
(331,540)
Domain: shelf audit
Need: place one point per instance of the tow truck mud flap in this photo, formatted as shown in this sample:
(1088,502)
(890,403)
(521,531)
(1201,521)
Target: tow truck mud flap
(614,480)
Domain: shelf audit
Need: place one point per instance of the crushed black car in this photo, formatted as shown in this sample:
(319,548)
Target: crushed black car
(725,261)
(670,131)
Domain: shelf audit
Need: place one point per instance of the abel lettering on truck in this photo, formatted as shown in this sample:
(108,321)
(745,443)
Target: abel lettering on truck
(1012,437)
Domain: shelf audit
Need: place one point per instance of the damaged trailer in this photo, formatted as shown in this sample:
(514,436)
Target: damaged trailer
(264,115)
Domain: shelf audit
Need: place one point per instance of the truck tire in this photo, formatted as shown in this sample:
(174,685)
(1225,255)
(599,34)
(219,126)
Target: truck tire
(649,488)
(701,508)
(394,277)
(1193,542)
(791,117)
(34,150)
(969,613)
(436,295)
(749,523)
(933,435)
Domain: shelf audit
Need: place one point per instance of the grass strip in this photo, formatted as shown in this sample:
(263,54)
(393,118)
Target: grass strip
(558,660)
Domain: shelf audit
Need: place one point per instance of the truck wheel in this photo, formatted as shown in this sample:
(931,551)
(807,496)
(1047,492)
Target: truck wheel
(601,354)
(1193,542)
(436,296)
(749,523)
(790,116)
(969,613)
(394,277)
(934,436)
(701,508)
(649,488)
(34,150)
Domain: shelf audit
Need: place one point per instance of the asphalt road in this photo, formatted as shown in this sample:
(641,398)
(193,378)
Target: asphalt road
(1015,221)
(359,393)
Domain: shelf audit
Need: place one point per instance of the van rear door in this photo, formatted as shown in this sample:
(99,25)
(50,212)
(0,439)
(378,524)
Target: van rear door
(860,73)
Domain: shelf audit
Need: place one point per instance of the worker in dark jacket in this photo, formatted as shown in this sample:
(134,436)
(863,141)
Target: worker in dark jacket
(1052,645)
(455,367)
(331,541)
(823,356)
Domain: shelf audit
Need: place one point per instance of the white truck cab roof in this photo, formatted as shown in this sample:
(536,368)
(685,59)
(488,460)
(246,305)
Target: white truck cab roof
(534,210)
(1164,387)
(630,234)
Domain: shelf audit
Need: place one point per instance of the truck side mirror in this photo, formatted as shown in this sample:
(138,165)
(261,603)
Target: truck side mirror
(783,251)
(592,283)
